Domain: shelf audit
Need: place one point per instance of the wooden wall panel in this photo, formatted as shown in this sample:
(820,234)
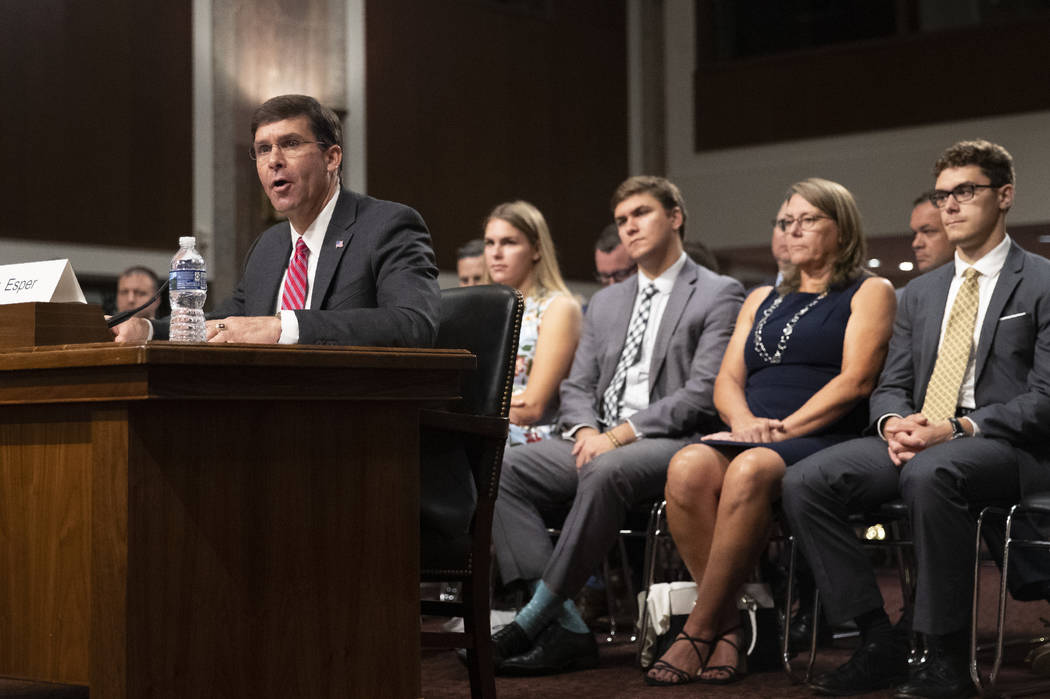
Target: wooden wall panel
(905,81)
(97,121)
(470,105)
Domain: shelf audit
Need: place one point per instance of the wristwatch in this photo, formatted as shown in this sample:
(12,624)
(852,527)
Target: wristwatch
(957,428)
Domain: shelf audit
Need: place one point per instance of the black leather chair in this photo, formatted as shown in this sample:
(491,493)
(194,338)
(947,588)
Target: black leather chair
(462,452)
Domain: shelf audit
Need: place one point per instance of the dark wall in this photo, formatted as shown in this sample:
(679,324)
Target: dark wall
(900,81)
(96,121)
(471,104)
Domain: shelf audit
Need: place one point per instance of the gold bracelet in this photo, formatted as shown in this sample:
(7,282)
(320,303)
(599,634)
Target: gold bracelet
(612,438)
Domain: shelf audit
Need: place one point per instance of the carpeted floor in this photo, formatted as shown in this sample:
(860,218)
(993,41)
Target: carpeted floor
(618,677)
(444,677)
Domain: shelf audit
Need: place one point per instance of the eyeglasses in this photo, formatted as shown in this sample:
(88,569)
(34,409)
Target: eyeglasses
(615,276)
(807,222)
(962,193)
(291,147)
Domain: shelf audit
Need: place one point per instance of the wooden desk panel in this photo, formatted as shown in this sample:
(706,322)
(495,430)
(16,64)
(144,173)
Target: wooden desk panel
(45,490)
(273,552)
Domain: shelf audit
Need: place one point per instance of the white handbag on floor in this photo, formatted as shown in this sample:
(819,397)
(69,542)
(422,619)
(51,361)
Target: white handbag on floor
(676,599)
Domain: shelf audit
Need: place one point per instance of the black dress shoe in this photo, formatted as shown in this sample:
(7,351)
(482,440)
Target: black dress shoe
(1032,591)
(556,650)
(875,665)
(943,676)
(508,642)
(800,632)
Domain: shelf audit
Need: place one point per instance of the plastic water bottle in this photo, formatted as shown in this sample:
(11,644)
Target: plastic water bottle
(188,287)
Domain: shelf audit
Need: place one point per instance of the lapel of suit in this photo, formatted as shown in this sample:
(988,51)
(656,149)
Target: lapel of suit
(931,328)
(1009,278)
(681,292)
(336,242)
(274,252)
(617,329)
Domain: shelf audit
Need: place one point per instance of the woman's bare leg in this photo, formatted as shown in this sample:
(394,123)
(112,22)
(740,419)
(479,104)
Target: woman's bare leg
(720,526)
(694,483)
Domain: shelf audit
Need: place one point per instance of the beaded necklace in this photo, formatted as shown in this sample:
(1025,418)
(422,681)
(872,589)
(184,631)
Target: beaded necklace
(785,335)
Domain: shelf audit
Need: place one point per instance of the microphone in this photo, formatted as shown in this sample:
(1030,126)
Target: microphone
(118,318)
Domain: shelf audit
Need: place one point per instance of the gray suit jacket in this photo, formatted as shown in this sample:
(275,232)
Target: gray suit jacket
(1012,390)
(692,337)
(375,285)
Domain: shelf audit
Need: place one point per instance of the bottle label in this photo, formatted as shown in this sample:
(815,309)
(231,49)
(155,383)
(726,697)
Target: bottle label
(187,280)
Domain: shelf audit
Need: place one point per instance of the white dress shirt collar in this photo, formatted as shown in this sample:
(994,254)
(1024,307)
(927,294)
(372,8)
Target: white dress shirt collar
(990,264)
(313,236)
(665,282)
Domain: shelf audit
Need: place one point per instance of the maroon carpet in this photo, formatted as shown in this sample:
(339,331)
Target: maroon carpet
(618,676)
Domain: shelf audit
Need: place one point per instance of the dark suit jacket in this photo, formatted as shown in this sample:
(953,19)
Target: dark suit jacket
(694,331)
(375,285)
(1012,372)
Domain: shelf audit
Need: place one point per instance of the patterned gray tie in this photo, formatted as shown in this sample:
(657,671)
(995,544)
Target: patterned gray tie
(612,399)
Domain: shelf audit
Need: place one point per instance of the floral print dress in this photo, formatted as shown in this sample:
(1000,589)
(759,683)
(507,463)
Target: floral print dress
(535,307)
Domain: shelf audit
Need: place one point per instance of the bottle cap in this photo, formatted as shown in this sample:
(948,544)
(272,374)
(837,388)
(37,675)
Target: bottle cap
(186,241)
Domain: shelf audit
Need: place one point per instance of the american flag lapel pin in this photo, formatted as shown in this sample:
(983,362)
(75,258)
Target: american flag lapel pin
(339,243)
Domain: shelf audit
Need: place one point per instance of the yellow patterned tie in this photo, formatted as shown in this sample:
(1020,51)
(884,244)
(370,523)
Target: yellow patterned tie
(942,395)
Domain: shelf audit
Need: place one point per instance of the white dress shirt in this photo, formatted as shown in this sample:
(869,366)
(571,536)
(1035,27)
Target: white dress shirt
(636,388)
(313,236)
(989,266)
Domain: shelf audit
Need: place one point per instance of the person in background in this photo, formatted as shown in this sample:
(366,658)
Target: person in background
(701,254)
(794,379)
(779,247)
(470,262)
(519,252)
(611,260)
(134,287)
(930,242)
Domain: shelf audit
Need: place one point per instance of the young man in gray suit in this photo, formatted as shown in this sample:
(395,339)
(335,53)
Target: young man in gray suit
(961,416)
(640,388)
(344,268)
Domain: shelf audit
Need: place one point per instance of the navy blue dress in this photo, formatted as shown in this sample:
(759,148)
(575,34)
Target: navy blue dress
(812,356)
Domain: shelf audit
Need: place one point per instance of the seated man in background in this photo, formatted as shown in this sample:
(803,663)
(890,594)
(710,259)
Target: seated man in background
(611,260)
(134,287)
(701,254)
(961,416)
(930,242)
(640,388)
(778,245)
(345,269)
(470,262)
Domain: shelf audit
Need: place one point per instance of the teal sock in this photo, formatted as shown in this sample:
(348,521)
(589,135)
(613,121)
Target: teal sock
(542,609)
(570,618)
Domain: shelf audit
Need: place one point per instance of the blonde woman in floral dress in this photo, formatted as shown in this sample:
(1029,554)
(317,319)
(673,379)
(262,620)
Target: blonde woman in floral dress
(519,253)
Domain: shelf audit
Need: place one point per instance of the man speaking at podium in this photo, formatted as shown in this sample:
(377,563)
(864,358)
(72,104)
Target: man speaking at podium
(345,269)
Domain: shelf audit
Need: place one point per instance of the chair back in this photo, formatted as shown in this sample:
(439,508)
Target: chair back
(485,320)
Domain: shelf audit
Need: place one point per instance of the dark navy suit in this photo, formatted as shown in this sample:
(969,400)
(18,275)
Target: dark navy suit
(941,483)
(375,284)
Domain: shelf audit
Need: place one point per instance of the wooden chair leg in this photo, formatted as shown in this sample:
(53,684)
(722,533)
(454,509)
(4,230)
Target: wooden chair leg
(477,606)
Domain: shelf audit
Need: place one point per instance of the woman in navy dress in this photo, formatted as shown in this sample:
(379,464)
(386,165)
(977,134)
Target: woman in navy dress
(794,379)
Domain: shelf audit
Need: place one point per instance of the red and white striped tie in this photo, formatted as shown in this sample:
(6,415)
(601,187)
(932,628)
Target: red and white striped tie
(294,296)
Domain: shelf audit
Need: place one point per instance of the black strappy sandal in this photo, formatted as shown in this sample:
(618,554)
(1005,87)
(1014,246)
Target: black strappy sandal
(680,675)
(732,672)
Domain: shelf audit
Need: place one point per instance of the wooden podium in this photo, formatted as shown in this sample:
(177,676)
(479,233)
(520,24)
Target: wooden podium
(214,521)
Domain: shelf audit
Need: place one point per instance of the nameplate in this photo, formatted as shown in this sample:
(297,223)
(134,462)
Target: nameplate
(46,281)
